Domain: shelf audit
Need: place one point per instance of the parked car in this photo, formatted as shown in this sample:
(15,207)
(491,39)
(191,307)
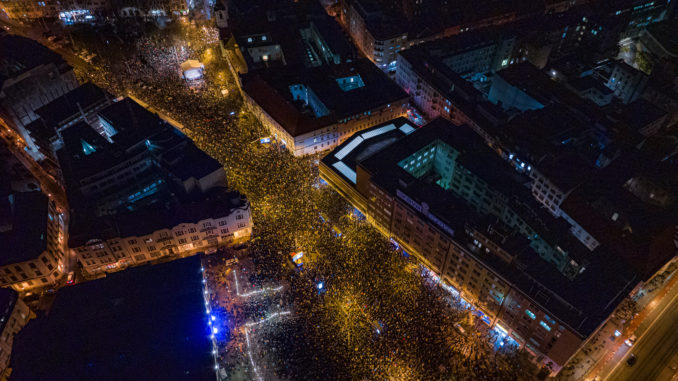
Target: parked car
(631,360)
(630,340)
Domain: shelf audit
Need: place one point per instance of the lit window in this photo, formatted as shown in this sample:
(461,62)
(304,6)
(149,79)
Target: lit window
(504,62)
(530,314)
(263,38)
(249,39)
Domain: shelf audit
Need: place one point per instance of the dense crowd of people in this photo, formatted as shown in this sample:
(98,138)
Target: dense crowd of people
(361,310)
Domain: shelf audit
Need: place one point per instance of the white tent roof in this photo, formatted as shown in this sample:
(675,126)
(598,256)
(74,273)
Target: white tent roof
(191,64)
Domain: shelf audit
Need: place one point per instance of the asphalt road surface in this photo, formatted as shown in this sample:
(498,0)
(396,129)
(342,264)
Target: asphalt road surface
(654,350)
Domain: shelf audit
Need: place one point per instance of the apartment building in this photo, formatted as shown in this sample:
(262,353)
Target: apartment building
(443,196)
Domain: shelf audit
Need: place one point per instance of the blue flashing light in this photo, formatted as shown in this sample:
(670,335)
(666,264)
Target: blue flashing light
(394,243)
(232,113)
(264,140)
(320,285)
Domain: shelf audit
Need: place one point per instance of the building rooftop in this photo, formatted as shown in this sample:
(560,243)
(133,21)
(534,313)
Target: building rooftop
(132,122)
(551,130)
(345,157)
(631,209)
(566,171)
(72,103)
(24,234)
(271,90)
(138,131)
(665,33)
(144,323)
(20,54)
(81,98)
(382,20)
(640,113)
(287,24)
(540,87)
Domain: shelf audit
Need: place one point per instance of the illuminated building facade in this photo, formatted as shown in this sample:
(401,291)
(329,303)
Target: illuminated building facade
(443,196)
(30,9)
(221,218)
(313,110)
(437,74)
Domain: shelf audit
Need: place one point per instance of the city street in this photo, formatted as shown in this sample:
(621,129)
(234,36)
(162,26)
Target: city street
(654,348)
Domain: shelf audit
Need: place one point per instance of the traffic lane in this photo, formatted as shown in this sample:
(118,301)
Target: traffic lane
(639,326)
(654,349)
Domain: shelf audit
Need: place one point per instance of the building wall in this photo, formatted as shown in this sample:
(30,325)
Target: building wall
(30,9)
(331,136)
(510,97)
(382,52)
(546,192)
(99,256)
(18,319)
(536,330)
(580,233)
(627,83)
(44,270)
(275,129)
(426,97)
(479,285)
